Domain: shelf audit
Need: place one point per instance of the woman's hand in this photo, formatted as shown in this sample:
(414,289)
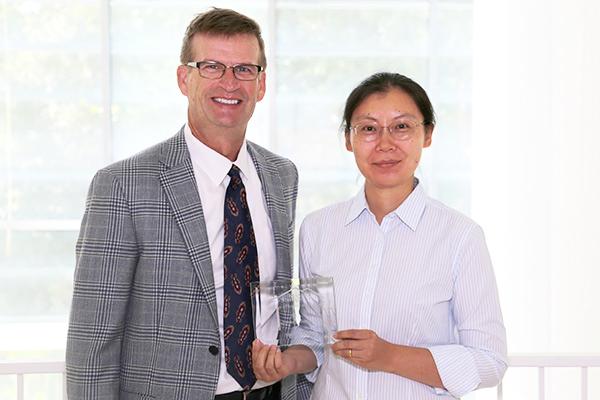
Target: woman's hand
(364,348)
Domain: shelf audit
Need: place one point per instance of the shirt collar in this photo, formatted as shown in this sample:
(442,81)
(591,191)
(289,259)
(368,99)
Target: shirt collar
(412,208)
(213,164)
(358,205)
(409,212)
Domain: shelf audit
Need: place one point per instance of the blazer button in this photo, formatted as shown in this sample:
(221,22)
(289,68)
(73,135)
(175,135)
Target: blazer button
(214,350)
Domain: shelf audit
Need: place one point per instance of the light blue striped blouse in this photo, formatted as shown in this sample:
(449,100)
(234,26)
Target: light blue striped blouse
(422,278)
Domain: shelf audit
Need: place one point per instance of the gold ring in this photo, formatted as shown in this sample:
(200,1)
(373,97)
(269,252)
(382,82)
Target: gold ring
(349,353)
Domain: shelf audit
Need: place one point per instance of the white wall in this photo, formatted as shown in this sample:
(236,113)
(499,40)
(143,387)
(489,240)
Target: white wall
(536,166)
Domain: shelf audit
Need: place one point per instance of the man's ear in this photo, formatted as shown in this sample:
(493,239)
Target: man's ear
(182,75)
(262,86)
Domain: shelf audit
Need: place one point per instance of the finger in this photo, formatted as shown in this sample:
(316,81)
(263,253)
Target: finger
(270,361)
(354,334)
(257,345)
(337,346)
(274,354)
(341,353)
(259,357)
(349,354)
(278,361)
(341,345)
(346,344)
(355,355)
(263,367)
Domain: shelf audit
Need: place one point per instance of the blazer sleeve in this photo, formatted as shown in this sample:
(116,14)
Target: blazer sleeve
(106,257)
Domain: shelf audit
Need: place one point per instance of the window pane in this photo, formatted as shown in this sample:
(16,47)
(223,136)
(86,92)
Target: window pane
(83,85)
(51,141)
(335,45)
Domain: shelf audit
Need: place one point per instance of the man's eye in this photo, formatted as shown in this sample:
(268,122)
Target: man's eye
(212,67)
(243,69)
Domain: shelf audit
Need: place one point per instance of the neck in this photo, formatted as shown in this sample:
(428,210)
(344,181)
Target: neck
(383,201)
(226,142)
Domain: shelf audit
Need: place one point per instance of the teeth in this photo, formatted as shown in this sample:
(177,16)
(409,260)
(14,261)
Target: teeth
(226,101)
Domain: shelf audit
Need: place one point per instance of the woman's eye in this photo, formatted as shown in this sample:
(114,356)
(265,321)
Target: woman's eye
(369,128)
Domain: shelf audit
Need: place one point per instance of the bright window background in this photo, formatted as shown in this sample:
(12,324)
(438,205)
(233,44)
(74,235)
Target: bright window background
(84,83)
(535,173)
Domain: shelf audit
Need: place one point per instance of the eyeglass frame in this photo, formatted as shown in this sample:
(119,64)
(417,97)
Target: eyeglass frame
(352,129)
(197,64)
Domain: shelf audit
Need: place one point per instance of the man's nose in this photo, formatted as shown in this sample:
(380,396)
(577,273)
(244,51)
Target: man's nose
(228,80)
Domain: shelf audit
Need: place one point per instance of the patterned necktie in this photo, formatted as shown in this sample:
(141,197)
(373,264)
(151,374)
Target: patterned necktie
(240,263)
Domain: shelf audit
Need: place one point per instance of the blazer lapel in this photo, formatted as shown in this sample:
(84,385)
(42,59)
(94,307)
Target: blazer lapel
(179,185)
(273,193)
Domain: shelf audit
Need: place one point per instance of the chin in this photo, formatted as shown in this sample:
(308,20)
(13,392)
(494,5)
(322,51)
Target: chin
(390,182)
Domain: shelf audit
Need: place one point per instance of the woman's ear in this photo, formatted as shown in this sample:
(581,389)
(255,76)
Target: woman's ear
(348,142)
(428,135)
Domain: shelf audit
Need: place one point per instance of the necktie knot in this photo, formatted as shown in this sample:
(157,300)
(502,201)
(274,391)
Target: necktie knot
(235,184)
(236,180)
(234,171)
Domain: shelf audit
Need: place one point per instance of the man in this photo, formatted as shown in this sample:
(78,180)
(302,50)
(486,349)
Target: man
(172,236)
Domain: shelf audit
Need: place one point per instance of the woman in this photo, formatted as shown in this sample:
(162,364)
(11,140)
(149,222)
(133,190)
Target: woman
(417,302)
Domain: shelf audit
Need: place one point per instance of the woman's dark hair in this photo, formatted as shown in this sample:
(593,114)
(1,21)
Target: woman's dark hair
(382,82)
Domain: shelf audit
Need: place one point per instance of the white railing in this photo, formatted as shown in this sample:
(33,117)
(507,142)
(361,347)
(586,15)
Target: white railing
(20,369)
(539,361)
(543,361)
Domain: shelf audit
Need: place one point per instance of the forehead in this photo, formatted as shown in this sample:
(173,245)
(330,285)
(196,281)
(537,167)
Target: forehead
(242,48)
(394,102)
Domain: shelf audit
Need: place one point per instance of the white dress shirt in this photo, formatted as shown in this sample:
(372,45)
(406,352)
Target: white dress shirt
(422,278)
(210,171)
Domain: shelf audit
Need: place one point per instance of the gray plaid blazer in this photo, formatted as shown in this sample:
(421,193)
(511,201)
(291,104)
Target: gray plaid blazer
(144,312)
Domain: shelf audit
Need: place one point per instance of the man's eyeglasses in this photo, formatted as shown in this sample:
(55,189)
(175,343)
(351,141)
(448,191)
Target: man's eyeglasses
(400,130)
(216,70)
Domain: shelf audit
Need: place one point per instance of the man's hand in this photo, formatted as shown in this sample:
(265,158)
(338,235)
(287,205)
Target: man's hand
(270,364)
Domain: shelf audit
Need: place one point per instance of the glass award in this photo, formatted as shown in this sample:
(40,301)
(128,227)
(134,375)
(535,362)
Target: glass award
(288,312)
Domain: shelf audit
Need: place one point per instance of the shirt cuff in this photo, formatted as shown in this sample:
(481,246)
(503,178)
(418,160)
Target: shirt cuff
(312,375)
(457,368)
(314,341)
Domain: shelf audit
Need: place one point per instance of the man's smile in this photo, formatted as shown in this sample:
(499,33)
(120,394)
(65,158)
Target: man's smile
(223,100)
